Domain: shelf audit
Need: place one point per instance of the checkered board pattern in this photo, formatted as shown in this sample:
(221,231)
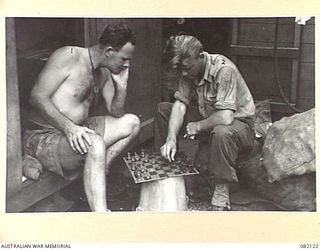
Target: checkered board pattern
(151,167)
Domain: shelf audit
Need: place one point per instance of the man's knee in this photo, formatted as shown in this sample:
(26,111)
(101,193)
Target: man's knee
(97,148)
(222,132)
(132,123)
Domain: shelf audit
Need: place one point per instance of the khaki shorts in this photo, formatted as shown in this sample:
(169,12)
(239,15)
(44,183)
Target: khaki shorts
(44,143)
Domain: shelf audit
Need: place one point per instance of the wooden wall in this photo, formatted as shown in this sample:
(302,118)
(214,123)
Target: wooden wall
(259,70)
(48,33)
(14,157)
(252,45)
(306,87)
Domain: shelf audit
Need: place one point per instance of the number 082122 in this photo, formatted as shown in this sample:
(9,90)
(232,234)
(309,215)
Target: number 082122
(309,246)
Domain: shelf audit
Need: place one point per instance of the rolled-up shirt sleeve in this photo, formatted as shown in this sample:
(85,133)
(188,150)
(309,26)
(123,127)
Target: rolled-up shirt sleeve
(226,89)
(183,94)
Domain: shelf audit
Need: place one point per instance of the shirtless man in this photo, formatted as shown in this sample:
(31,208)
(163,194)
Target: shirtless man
(60,134)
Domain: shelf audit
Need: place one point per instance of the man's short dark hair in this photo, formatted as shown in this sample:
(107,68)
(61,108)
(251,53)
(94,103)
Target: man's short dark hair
(117,34)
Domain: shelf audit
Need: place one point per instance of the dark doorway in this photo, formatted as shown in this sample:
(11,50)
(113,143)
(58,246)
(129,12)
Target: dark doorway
(212,32)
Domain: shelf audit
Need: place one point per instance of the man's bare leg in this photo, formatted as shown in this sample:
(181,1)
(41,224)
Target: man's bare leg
(94,175)
(93,172)
(119,133)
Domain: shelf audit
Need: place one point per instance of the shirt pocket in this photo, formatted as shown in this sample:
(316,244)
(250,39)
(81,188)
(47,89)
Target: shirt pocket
(210,95)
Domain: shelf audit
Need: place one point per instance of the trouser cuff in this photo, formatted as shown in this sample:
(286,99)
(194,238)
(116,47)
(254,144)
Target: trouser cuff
(220,197)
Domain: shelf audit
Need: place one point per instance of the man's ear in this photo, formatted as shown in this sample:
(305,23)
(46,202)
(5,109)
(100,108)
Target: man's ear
(109,51)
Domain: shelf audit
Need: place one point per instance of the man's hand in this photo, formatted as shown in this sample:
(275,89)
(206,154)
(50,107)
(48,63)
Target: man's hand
(76,136)
(169,149)
(192,129)
(121,79)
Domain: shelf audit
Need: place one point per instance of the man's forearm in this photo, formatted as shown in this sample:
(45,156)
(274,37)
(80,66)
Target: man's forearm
(223,117)
(50,113)
(176,120)
(118,102)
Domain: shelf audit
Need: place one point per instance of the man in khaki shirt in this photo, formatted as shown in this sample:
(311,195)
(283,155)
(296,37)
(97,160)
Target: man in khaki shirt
(223,116)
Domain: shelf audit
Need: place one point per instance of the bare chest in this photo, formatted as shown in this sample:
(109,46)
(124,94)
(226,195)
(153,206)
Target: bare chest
(84,87)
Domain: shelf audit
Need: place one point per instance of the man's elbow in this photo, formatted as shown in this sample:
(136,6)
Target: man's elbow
(35,98)
(228,117)
(228,121)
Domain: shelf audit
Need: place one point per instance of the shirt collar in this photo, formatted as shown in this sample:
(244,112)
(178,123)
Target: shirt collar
(207,70)
(212,66)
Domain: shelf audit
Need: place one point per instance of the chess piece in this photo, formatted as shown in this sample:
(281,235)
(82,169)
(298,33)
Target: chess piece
(133,166)
(128,156)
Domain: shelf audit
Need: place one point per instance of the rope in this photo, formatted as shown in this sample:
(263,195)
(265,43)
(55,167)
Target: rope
(276,70)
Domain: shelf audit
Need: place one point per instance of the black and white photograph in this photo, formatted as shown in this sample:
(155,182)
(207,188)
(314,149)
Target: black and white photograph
(160,114)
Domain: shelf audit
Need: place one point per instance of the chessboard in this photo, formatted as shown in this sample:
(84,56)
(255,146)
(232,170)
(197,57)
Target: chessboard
(145,167)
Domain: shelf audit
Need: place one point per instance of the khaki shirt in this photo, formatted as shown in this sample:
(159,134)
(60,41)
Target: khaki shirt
(222,87)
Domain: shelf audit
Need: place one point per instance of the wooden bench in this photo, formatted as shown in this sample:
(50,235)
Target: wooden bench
(32,192)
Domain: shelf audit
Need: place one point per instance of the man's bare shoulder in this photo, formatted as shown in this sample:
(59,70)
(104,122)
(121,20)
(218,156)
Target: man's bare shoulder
(67,55)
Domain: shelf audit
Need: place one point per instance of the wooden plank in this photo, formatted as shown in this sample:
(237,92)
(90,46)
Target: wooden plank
(294,80)
(311,21)
(266,32)
(93,31)
(87,41)
(48,32)
(34,191)
(306,89)
(241,50)
(305,104)
(235,30)
(52,203)
(295,64)
(234,36)
(90,32)
(308,53)
(264,44)
(308,34)
(307,71)
(14,155)
(265,20)
(281,107)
